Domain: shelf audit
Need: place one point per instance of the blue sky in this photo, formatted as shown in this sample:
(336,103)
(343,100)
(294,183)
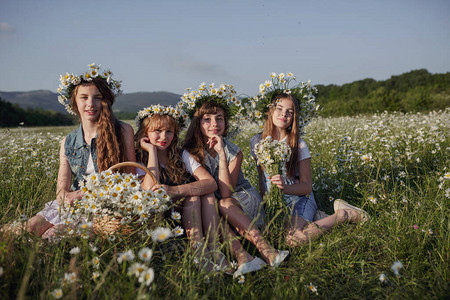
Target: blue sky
(173,45)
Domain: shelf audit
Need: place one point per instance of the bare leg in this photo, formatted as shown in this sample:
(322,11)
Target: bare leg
(192,220)
(211,223)
(241,255)
(300,232)
(230,208)
(54,231)
(38,225)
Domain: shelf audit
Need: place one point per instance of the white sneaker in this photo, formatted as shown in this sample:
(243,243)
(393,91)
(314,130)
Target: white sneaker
(254,265)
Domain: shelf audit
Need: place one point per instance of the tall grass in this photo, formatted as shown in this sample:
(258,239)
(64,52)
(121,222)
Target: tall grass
(395,166)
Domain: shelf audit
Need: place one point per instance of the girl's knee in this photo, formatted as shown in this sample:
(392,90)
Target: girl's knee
(37,225)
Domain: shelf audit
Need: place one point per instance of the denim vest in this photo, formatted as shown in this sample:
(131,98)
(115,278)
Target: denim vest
(212,166)
(77,152)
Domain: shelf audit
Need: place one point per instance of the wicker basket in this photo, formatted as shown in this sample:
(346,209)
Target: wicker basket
(108,225)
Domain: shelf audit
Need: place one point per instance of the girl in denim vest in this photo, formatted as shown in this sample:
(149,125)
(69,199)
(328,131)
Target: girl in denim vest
(282,123)
(99,142)
(238,201)
(156,147)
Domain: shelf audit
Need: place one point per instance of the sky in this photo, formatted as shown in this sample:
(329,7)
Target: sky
(177,44)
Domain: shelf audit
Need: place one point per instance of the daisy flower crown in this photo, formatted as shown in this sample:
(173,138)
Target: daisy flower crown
(67,83)
(178,114)
(225,95)
(282,84)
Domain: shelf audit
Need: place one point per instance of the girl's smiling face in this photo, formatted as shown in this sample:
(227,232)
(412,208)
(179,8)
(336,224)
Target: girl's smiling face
(89,102)
(213,124)
(283,114)
(162,136)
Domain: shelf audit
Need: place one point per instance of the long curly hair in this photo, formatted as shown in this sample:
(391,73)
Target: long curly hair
(175,168)
(195,142)
(292,130)
(110,139)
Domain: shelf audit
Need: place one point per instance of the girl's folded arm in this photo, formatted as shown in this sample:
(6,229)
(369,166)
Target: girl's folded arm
(205,184)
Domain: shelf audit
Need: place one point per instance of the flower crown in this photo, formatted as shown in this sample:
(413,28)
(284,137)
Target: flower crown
(279,84)
(224,94)
(178,114)
(69,81)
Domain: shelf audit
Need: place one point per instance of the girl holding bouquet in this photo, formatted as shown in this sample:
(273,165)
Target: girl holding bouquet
(284,122)
(156,147)
(238,201)
(99,142)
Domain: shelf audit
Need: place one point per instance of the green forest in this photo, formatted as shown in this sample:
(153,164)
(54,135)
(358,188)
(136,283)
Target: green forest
(12,115)
(414,91)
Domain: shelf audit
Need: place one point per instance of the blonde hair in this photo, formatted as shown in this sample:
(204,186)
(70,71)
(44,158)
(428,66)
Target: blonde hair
(175,167)
(110,140)
(293,134)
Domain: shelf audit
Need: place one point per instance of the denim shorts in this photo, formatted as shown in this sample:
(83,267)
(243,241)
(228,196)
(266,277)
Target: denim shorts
(302,206)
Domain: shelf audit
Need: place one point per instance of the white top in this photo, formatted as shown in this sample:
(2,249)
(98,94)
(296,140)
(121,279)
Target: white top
(90,165)
(190,162)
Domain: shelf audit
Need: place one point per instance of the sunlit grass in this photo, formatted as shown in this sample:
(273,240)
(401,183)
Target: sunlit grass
(395,166)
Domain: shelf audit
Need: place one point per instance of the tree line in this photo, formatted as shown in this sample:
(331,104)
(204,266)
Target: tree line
(12,115)
(414,91)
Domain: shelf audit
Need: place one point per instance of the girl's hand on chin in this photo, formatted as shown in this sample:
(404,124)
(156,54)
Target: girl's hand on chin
(146,145)
(278,180)
(215,142)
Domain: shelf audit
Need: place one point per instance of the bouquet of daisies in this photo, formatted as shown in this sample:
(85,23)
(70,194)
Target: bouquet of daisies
(272,156)
(113,196)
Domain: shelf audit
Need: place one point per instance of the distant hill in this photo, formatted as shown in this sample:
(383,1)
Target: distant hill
(414,91)
(47,100)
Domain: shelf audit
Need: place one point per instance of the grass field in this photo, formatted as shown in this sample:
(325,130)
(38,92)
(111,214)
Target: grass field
(396,166)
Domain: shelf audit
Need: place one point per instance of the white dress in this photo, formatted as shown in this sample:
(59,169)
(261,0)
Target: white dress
(51,211)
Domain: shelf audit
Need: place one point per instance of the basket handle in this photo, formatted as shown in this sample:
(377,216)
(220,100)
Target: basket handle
(133,164)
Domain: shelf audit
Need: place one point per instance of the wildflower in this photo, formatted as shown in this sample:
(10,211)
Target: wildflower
(396,267)
(241,279)
(69,278)
(145,254)
(176,215)
(367,157)
(136,269)
(74,251)
(125,256)
(85,226)
(177,231)
(383,278)
(95,275)
(147,276)
(95,262)
(373,199)
(161,234)
(93,248)
(415,226)
(312,288)
(57,293)
(428,231)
